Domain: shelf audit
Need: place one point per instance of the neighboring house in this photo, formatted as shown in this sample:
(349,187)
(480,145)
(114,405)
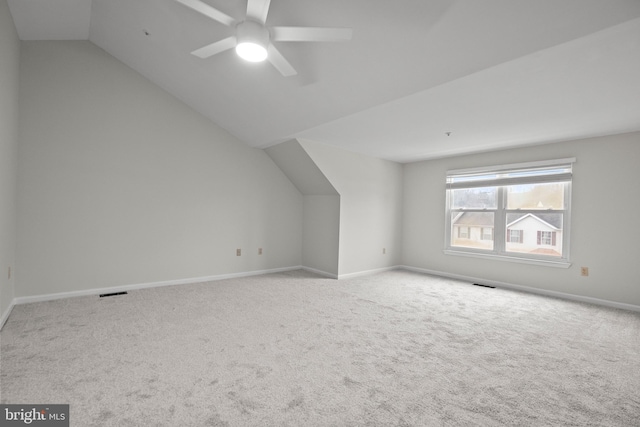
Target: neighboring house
(473,229)
(531,233)
(535,233)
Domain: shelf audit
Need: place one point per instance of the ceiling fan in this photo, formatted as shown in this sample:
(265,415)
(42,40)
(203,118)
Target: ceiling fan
(254,40)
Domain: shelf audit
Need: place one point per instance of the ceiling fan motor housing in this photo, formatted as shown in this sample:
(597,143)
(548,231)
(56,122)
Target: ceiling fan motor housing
(253,41)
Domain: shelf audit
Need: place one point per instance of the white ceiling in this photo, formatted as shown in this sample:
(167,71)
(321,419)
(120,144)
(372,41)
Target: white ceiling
(494,73)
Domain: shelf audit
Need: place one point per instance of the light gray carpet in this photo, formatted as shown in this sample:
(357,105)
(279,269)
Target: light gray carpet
(294,349)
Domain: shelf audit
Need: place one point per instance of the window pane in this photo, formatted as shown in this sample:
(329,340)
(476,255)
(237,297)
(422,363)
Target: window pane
(538,234)
(472,230)
(514,236)
(487,233)
(474,198)
(536,196)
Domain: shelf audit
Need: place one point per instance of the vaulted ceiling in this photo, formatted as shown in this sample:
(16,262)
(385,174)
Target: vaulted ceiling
(419,79)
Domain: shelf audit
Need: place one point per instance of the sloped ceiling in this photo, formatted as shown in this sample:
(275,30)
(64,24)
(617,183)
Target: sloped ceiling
(491,73)
(300,168)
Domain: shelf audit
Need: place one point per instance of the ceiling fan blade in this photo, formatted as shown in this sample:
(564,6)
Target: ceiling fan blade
(278,61)
(214,48)
(310,34)
(209,11)
(258,10)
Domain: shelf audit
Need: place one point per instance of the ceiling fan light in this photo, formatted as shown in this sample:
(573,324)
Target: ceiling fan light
(251,51)
(253,39)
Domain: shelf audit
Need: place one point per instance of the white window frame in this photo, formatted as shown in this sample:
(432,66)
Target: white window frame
(501,176)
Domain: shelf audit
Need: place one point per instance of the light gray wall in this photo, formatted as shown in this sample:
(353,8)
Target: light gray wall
(120,183)
(9,68)
(321,233)
(321,213)
(604,236)
(370,206)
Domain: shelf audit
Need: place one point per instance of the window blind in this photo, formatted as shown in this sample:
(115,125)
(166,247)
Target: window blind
(560,170)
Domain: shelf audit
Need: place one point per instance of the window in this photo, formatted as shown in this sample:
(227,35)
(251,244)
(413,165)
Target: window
(514,236)
(546,238)
(515,212)
(487,233)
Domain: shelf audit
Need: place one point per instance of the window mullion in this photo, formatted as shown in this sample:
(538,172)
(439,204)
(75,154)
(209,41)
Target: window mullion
(499,225)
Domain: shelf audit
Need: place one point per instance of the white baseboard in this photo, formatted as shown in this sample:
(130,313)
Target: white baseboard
(367,272)
(320,272)
(6,314)
(497,284)
(124,288)
(98,291)
(350,275)
(133,287)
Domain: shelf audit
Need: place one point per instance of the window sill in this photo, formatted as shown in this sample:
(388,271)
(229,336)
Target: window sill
(531,261)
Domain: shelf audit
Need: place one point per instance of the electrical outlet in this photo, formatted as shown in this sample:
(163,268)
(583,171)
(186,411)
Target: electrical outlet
(584,271)
(259,251)
(384,251)
(238,252)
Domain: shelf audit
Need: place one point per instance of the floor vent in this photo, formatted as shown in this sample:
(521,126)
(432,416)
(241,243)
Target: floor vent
(484,286)
(113,294)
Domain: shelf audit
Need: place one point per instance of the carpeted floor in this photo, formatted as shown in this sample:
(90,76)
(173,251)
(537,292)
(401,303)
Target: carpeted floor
(294,349)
